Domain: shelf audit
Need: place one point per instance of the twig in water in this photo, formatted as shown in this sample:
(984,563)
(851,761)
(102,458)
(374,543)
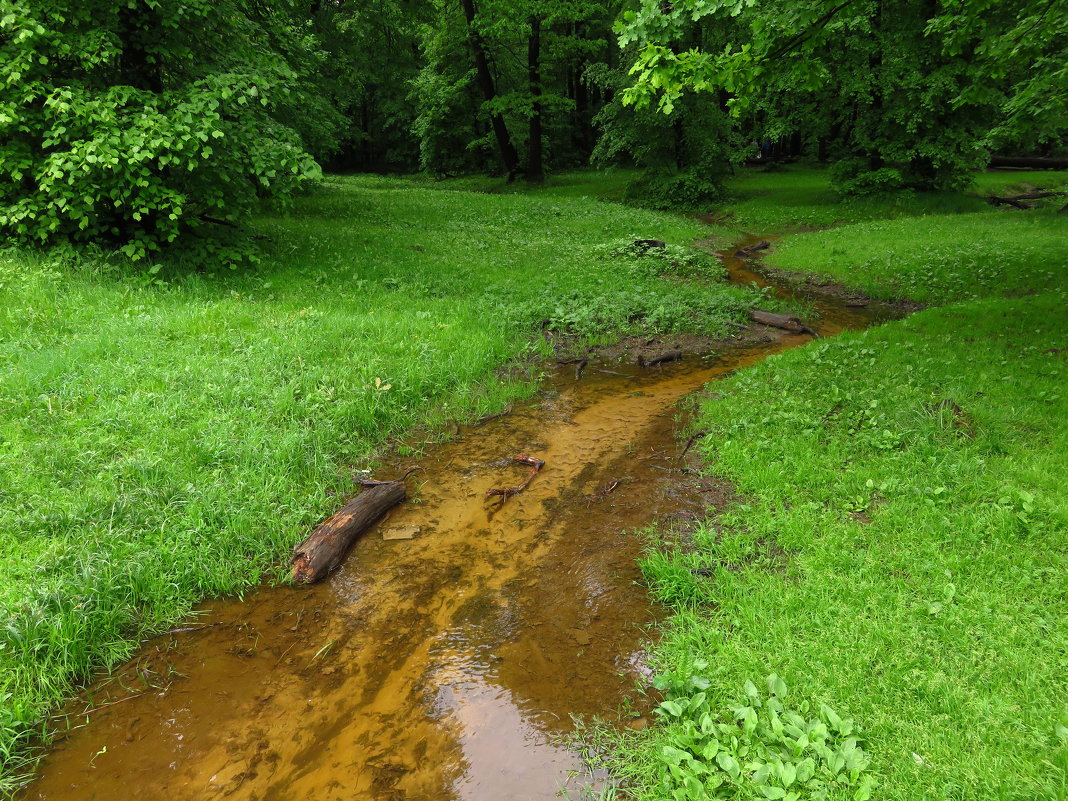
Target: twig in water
(508,492)
(689,443)
(581,366)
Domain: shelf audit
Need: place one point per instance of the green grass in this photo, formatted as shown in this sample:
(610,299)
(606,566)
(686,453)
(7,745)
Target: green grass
(901,548)
(795,197)
(167,437)
(936,259)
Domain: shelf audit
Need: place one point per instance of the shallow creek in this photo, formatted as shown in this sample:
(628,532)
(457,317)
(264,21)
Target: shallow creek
(444,666)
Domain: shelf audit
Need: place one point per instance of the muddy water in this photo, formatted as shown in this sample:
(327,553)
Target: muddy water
(442,666)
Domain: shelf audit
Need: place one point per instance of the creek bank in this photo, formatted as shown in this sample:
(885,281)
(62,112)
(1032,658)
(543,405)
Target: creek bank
(444,662)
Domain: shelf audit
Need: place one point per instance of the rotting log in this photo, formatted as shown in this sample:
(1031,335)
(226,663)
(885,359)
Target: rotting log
(656,361)
(749,250)
(326,547)
(783,321)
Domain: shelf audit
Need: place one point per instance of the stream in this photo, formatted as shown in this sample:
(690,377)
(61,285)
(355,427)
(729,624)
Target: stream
(445,658)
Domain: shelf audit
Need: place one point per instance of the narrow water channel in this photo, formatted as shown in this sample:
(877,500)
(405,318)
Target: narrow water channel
(448,654)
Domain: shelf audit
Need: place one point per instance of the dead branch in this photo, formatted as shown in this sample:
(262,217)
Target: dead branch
(1016,201)
(580,367)
(325,548)
(689,443)
(507,492)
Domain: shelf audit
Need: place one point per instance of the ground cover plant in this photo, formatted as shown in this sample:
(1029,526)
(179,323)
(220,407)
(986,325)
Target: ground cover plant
(899,552)
(167,435)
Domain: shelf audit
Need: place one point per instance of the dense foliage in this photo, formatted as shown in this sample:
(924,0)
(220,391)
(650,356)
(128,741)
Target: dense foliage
(134,123)
(905,95)
(147,122)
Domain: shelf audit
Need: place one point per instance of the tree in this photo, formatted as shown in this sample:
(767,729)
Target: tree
(509,74)
(141,122)
(912,91)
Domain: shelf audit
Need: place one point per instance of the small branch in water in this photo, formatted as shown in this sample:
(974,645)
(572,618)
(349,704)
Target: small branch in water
(96,709)
(179,630)
(689,443)
(508,492)
(485,419)
(580,367)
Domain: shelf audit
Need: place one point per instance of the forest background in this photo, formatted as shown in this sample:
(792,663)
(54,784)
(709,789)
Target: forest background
(150,123)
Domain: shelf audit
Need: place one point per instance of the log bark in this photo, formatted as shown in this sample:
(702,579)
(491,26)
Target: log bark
(749,250)
(783,321)
(326,547)
(1017,200)
(664,358)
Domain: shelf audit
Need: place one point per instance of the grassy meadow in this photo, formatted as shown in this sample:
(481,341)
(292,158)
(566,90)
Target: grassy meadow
(883,614)
(896,564)
(167,436)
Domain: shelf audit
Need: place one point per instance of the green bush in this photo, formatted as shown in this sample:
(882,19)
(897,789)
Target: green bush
(134,124)
(855,177)
(690,188)
(760,750)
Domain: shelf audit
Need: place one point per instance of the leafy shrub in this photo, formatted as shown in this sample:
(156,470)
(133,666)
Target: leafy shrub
(138,123)
(645,260)
(761,750)
(690,188)
(855,177)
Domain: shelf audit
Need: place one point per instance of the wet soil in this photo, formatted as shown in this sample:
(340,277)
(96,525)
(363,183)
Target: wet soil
(445,659)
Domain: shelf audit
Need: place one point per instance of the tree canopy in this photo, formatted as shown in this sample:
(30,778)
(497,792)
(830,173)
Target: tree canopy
(145,123)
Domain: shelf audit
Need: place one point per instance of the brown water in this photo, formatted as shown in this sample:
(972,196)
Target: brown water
(445,666)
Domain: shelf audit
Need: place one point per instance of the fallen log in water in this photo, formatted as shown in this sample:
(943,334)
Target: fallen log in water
(749,250)
(324,549)
(783,321)
(670,356)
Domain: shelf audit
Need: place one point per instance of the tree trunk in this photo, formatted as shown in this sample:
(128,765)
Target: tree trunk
(584,135)
(324,549)
(137,34)
(509,157)
(535,166)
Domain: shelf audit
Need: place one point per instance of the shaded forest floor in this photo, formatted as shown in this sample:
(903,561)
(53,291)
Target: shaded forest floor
(901,551)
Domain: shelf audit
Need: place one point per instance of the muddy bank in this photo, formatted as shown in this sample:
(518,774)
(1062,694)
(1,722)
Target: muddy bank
(449,652)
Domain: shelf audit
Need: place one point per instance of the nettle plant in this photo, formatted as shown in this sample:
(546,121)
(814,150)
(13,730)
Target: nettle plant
(764,750)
